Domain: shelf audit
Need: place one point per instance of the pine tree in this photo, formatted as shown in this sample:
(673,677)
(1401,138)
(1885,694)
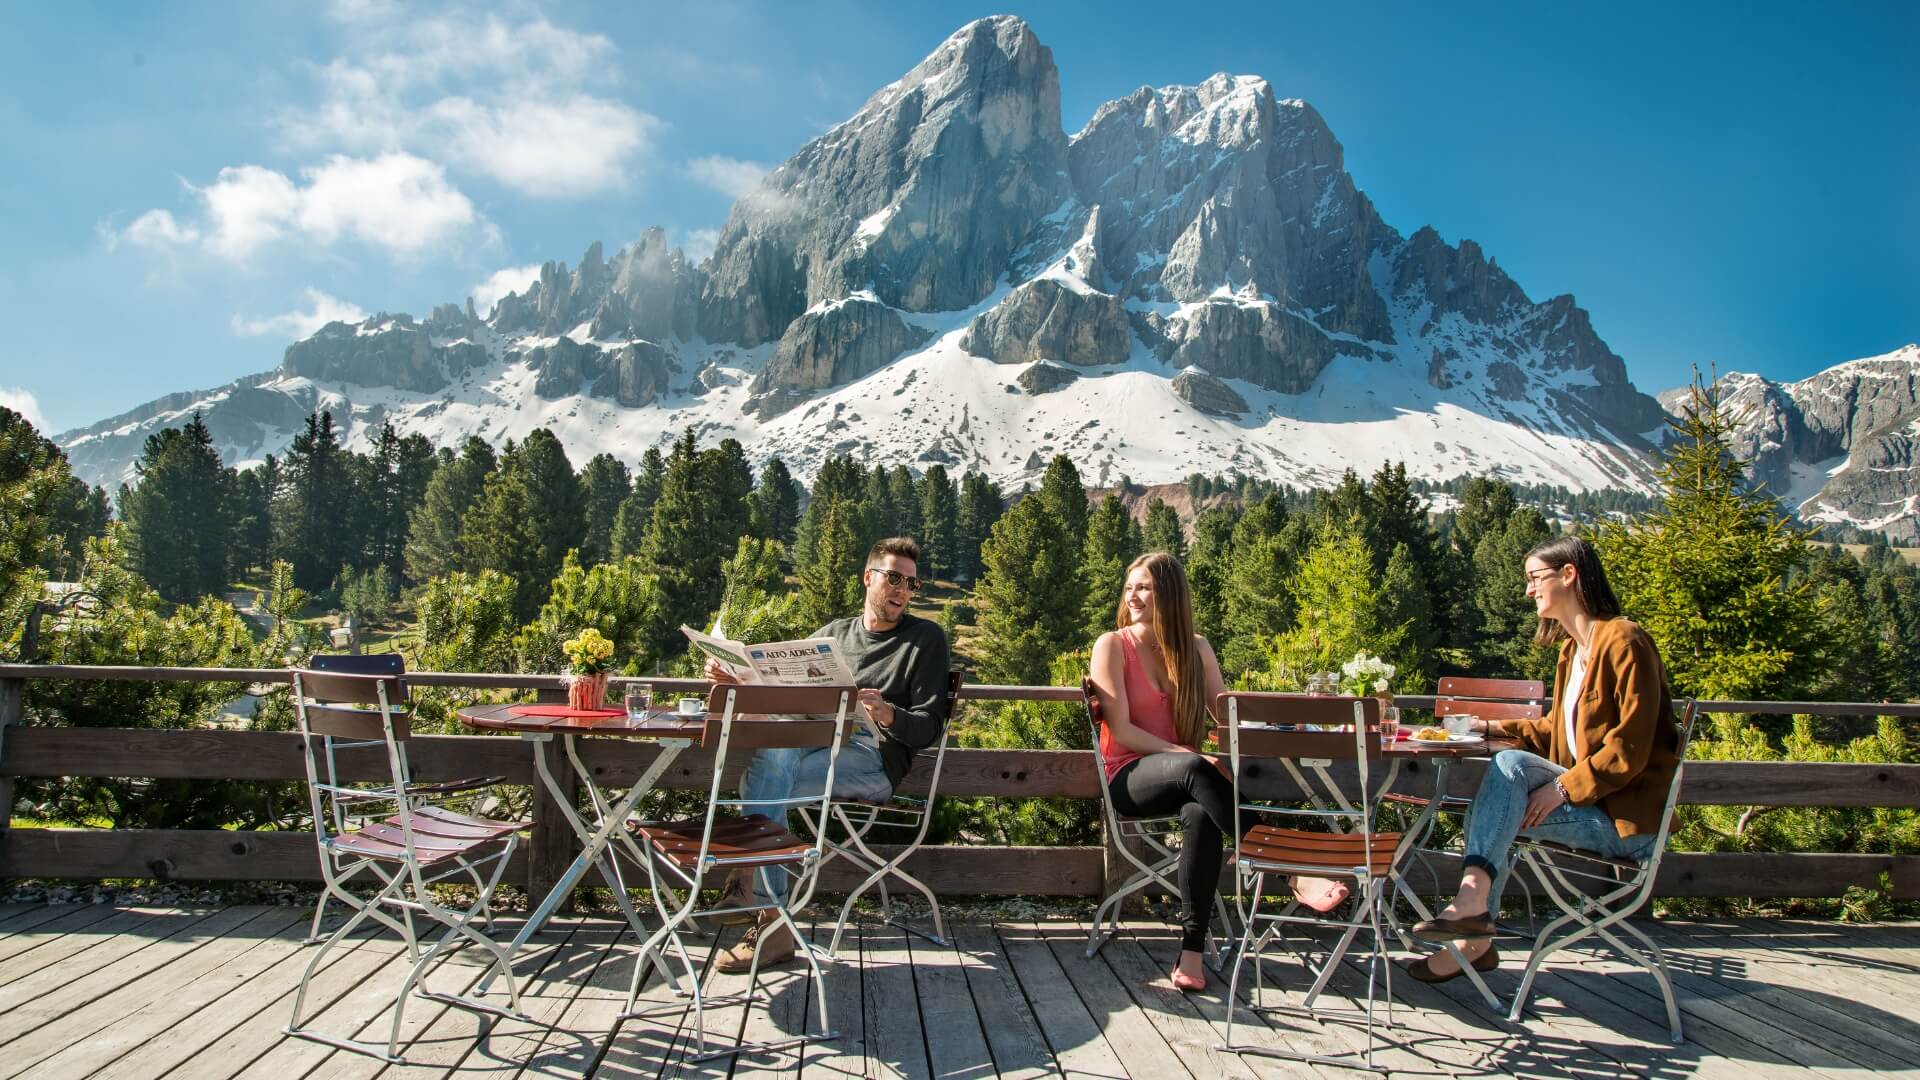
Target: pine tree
(675,544)
(774,511)
(500,533)
(1062,490)
(1113,541)
(838,478)
(939,522)
(559,504)
(605,484)
(1502,615)
(1707,574)
(619,599)
(253,493)
(1163,531)
(434,528)
(178,526)
(904,497)
(636,510)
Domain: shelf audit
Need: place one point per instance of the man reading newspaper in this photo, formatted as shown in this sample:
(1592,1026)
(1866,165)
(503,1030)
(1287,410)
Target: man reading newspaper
(899,663)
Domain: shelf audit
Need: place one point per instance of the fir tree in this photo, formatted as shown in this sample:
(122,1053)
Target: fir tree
(1256,603)
(33,472)
(1341,611)
(252,509)
(1208,563)
(1062,490)
(1113,541)
(726,494)
(774,511)
(1031,593)
(500,533)
(1501,614)
(316,501)
(830,586)
(1163,531)
(636,510)
(980,505)
(676,546)
(605,484)
(904,498)
(939,522)
(559,504)
(434,528)
(178,527)
(838,478)
(1707,574)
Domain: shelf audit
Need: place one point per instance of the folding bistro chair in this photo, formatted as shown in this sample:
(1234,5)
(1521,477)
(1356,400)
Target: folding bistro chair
(1151,834)
(395,665)
(1276,726)
(858,817)
(418,845)
(686,851)
(1596,894)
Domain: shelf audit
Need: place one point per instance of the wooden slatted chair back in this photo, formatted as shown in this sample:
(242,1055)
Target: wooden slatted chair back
(328,700)
(1490,699)
(1273,725)
(813,711)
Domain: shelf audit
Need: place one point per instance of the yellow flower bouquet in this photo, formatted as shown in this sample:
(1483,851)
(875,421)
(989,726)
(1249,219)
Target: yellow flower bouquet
(586,678)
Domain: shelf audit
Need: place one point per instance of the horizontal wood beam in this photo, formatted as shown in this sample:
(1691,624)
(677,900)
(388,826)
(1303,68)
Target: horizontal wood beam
(954,870)
(221,855)
(978,692)
(275,755)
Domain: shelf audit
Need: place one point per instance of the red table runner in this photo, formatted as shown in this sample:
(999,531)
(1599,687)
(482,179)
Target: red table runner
(564,711)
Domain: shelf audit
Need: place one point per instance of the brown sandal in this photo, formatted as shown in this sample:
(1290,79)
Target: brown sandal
(1472,928)
(1422,969)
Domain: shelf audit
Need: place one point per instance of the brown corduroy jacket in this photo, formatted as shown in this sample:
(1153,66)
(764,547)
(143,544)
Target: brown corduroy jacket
(1625,725)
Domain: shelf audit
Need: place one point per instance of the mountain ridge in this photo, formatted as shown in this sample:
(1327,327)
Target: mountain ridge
(1191,282)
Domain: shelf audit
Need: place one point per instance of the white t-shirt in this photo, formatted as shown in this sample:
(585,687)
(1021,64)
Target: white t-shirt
(1576,682)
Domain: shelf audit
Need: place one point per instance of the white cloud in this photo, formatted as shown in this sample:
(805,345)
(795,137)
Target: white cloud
(502,283)
(24,403)
(296,324)
(729,176)
(699,243)
(508,101)
(396,202)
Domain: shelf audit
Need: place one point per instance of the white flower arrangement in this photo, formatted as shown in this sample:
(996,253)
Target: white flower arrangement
(1366,670)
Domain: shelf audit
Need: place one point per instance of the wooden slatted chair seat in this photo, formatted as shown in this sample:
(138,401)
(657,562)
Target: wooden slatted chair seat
(1275,847)
(746,842)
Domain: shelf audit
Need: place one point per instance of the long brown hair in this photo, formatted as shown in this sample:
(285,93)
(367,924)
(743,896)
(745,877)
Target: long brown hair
(1591,579)
(1172,628)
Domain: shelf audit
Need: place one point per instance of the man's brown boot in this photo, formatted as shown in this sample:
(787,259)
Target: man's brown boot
(738,893)
(772,937)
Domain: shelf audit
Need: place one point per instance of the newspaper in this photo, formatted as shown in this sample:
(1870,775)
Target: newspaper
(805,662)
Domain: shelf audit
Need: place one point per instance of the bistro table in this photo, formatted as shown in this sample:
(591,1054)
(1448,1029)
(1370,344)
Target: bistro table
(1397,754)
(673,732)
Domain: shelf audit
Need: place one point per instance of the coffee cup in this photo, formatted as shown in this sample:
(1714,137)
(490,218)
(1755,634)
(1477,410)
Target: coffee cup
(691,706)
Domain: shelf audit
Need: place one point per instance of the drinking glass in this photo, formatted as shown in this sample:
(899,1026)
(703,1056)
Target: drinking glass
(1389,725)
(639,699)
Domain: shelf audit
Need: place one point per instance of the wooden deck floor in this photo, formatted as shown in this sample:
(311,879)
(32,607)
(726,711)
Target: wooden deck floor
(148,992)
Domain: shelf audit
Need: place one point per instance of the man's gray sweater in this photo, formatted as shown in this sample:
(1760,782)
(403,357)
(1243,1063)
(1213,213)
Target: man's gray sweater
(908,665)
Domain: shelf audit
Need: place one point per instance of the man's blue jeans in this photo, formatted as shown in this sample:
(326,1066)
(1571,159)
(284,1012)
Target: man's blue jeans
(1494,820)
(798,774)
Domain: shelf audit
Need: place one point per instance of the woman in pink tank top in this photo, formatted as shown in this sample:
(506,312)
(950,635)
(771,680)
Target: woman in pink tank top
(1155,677)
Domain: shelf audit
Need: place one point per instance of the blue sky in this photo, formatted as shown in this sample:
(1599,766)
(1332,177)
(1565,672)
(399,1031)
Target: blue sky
(184,189)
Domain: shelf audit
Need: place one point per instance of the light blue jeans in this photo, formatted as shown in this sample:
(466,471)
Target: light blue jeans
(798,774)
(1494,820)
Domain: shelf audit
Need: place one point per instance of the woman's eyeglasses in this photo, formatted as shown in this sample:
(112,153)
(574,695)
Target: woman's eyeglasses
(1535,577)
(895,579)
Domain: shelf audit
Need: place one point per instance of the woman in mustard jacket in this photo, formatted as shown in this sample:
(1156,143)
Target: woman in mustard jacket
(1593,775)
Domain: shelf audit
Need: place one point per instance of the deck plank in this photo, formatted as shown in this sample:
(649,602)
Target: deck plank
(781,1013)
(1014,1038)
(59,940)
(956,1043)
(81,1038)
(146,992)
(1071,1029)
(890,1004)
(35,915)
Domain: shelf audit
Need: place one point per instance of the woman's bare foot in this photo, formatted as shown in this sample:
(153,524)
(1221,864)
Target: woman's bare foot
(1188,974)
(1318,893)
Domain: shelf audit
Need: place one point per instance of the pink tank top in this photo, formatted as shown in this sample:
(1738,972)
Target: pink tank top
(1148,707)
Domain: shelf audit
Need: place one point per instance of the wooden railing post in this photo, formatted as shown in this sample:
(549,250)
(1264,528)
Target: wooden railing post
(13,693)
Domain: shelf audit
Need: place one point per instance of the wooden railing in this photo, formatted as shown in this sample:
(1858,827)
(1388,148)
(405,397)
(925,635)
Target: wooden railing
(218,854)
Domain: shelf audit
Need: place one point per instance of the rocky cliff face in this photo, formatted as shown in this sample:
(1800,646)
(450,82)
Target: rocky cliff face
(1839,446)
(920,198)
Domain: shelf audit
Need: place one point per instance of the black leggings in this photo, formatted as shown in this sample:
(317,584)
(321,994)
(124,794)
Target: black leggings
(1175,782)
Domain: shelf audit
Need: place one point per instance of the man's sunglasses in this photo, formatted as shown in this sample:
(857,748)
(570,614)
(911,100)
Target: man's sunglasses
(895,579)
